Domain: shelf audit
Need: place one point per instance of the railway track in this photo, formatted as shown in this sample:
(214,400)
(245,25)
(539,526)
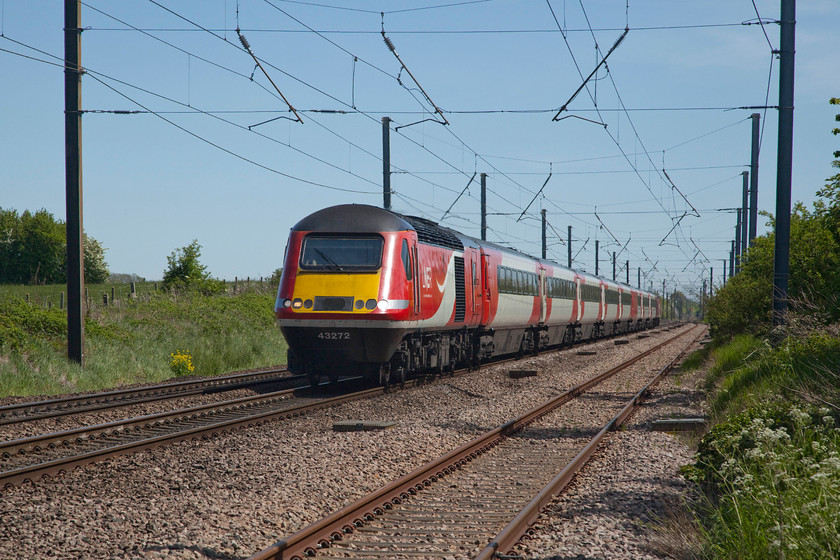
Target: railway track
(77,404)
(31,458)
(478,500)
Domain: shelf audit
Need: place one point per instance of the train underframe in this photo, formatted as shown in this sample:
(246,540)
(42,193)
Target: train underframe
(389,356)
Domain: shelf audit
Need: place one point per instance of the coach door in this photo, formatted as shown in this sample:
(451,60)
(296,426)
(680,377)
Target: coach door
(485,288)
(543,297)
(603,315)
(475,282)
(416,266)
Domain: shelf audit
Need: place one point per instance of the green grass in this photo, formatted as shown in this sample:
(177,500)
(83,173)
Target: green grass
(770,468)
(695,359)
(50,294)
(131,341)
(773,477)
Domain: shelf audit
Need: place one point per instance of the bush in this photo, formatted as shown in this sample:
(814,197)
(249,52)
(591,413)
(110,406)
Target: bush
(185,271)
(744,304)
(773,475)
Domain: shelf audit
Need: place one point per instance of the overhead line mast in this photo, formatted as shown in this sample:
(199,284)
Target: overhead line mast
(784,169)
(73,180)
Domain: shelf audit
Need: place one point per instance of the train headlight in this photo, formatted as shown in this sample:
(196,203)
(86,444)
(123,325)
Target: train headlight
(370,304)
(359,304)
(297,304)
(382,305)
(287,303)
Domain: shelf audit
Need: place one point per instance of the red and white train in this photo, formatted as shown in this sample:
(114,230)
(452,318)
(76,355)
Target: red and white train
(367,290)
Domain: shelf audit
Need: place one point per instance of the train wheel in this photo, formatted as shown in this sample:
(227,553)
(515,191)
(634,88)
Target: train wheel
(399,377)
(385,376)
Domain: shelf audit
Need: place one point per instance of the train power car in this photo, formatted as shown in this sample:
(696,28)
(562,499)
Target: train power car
(372,292)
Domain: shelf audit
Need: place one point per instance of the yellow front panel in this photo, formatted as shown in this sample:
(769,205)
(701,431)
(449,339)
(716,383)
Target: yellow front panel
(359,286)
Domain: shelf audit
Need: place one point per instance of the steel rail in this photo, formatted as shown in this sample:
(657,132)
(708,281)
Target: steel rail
(332,528)
(518,527)
(76,404)
(64,464)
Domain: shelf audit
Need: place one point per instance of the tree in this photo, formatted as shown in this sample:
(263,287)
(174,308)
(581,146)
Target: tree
(184,269)
(33,250)
(41,252)
(96,269)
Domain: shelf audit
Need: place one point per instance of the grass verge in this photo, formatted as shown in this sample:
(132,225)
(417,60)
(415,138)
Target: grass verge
(133,341)
(769,471)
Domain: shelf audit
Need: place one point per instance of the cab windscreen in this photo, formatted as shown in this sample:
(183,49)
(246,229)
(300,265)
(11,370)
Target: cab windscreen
(341,253)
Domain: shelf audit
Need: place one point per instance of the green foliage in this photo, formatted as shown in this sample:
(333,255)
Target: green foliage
(185,272)
(96,269)
(683,306)
(752,372)
(695,359)
(275,277)
(744,304)
(33,250)
(773,475)
(130,342)
(21,324)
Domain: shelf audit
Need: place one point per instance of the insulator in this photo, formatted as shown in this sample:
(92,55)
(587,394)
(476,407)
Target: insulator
(244,42)
(390,44)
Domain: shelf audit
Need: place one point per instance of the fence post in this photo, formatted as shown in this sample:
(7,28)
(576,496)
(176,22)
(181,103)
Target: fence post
(61,301)
(133,291)
(105,299)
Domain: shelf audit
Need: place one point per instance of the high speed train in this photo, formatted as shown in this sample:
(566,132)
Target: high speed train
(370,291)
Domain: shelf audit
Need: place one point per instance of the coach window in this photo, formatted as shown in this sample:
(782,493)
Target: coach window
(406,260)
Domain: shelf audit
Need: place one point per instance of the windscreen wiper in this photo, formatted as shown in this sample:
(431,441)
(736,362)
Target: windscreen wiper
(329,260)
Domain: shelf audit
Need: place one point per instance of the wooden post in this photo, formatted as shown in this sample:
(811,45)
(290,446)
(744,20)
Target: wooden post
(61,301)
(113,294)
(105,299)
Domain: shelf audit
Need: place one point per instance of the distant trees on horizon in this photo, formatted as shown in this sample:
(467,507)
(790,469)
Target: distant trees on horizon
(33,250)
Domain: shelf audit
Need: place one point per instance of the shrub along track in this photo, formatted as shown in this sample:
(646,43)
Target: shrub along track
(459,502)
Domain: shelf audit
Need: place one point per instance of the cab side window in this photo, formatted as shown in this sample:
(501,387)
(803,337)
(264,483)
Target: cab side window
(406,260)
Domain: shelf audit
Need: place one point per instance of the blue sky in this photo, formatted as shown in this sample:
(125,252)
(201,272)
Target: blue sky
(187,166)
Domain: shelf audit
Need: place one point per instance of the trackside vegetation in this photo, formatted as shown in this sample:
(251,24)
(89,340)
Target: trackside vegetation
(150,338)
(768,472)
(191,324)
